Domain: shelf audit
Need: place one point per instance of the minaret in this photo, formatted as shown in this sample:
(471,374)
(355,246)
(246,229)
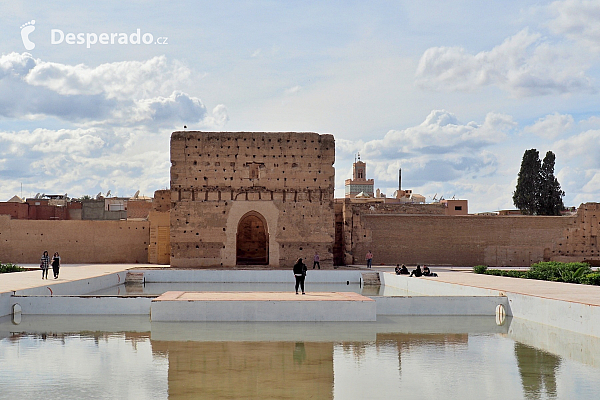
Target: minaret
(359,182)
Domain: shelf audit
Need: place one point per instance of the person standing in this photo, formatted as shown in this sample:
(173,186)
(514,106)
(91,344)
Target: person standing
(316,261)
(369,258)
(55,264)
(300,274)
(45,264)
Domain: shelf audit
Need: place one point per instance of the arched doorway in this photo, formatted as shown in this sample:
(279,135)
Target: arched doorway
(252,240)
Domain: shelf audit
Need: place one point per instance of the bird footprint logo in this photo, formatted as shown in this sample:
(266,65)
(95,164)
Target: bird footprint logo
(26,29)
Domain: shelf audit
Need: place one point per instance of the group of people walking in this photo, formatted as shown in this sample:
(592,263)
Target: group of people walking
(45,263)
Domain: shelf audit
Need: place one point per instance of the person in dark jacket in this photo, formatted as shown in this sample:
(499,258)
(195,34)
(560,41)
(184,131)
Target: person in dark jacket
(401,270)
(300,274)
(417,272)
(427,272)
(55,264)
(45,264)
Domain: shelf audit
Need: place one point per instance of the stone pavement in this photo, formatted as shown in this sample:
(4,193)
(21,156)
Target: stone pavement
(69,272)
(584,294)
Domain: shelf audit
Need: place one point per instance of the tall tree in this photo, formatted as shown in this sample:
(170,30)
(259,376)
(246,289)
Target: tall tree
(525,196)
(550,193)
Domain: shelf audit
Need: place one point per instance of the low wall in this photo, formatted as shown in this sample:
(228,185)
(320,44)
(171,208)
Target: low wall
(576,317)
(82,305)
(439,305)
(455,240)
(105,242)
(246,276)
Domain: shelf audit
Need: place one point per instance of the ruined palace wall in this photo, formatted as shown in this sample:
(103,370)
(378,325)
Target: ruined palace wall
(580,241)
(23,241)
(454,240)
(218,177)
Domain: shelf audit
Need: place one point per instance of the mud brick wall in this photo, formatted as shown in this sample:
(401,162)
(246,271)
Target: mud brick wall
(580,241)
(23,241)
(452,240)
(286,179)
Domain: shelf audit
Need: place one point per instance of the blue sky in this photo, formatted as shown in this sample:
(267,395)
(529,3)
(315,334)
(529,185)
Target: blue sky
(452,92)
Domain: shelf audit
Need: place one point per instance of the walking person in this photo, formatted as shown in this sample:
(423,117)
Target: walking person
(55,264)
(369,259)
(45,264)
(316,261)
(300,274)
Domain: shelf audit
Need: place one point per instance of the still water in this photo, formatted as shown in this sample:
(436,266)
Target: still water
(395,357)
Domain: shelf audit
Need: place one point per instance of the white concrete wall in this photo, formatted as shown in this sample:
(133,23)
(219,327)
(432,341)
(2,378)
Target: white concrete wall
(439,305)
(247,276)
(76,305)
(576,317)
(79,287)
(571,316)
(433,288)
(5,304)
(314,311)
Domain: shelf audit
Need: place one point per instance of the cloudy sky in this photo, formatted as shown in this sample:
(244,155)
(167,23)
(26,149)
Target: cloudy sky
(451,92)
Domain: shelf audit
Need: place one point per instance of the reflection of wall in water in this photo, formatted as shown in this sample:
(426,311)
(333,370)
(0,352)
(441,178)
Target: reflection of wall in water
(236,370)
(403,342)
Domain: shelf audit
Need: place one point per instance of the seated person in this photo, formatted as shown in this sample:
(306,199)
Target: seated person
(427,272)
(403,270)
(417,272)
(397,269)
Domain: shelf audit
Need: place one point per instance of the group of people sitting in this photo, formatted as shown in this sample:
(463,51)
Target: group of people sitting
(402,270)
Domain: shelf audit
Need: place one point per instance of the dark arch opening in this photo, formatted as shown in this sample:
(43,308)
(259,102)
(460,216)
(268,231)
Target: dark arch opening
(252,240)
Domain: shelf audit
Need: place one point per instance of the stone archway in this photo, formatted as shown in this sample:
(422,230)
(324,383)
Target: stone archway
(252,240)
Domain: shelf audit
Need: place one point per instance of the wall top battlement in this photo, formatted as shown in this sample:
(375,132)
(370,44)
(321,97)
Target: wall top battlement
(243,160)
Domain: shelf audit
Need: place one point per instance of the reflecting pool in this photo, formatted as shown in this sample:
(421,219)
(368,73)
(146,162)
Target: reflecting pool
(394,357)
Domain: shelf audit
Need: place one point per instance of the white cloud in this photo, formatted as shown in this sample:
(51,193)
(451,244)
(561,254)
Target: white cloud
(551,126)
(120,80)
(293,90)
(440,151)
(524,65)
(579,20)
(121,116)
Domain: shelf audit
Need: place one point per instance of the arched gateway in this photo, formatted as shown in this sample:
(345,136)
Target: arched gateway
(252,240)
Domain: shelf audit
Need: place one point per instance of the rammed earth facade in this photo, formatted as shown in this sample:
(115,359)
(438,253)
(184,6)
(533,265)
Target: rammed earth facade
(251,198)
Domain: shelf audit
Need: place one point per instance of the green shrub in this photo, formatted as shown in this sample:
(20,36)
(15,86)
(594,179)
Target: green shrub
(558,271)
(10,267)
(591,279)
(480,269)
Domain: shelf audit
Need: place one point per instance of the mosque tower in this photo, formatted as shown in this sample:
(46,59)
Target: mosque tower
(359,184)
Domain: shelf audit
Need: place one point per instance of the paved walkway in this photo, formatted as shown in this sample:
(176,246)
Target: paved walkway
(69,272)
(585,294)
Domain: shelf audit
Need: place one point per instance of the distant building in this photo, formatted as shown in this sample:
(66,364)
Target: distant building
(359,184)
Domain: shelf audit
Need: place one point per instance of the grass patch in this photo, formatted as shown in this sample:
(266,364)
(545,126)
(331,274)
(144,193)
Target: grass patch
(10,267)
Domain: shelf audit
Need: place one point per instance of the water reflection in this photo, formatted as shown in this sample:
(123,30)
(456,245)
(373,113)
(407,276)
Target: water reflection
(538,371)
(408,357)
(241,370)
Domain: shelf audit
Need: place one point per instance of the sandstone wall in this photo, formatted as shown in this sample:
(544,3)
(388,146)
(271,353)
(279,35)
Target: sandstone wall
(23,241)
(451,240)
(579,242)
(219,177)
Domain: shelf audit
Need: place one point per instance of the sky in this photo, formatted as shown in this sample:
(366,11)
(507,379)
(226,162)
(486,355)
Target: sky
(451,92)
